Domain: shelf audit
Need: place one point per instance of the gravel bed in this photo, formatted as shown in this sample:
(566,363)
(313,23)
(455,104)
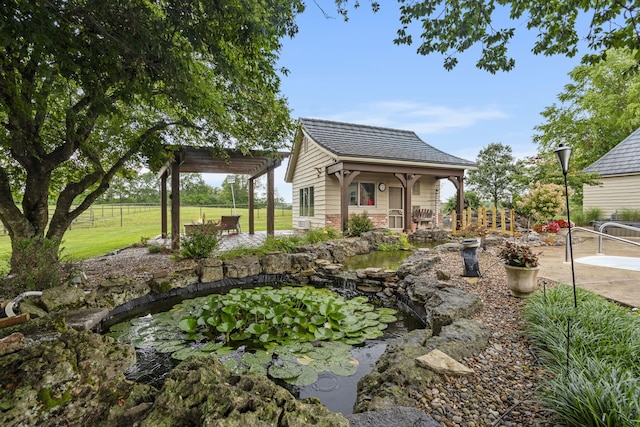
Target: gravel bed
(502,392)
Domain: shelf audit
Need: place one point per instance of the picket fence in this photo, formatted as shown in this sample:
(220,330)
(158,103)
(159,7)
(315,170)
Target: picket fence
(491,220)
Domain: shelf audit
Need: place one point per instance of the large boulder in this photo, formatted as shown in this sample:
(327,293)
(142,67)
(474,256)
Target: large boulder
(397,417)
(418,263)
(69,378)
(442,302)
(62,297)
(201,391)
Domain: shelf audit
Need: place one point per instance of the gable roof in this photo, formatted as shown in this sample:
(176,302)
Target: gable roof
(623,159)
(367,142)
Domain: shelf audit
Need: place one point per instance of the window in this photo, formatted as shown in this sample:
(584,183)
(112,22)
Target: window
(415,190)
(362,194)
(306,202)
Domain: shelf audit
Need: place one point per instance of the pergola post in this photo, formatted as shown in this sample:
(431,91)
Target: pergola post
(163,205)
(345,177)
(270,203)
(407,180)
(175,204)
(252,226)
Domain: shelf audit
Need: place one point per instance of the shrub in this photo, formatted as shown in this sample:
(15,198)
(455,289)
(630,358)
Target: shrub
(200,244)
(155,248)
(543,202)
(359,224)
(321,234)
(630,214)
(600,387)
(593,214)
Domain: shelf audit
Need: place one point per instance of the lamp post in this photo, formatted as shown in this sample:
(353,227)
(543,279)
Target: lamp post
(563,153)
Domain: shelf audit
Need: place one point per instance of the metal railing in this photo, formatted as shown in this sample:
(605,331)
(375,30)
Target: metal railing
(600,235)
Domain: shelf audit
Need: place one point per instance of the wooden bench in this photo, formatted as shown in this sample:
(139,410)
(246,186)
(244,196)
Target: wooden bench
(423,216)
(230,222)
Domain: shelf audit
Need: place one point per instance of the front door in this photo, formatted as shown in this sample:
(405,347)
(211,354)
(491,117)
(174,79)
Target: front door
(396,211)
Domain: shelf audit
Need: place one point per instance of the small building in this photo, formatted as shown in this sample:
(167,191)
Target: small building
(619,172)
(341,169)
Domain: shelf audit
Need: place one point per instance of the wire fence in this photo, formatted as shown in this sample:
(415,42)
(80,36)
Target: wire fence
(114,215)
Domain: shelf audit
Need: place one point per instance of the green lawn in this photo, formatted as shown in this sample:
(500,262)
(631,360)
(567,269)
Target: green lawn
(107,229)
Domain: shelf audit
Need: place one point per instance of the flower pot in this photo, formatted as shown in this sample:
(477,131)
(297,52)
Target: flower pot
(522,281)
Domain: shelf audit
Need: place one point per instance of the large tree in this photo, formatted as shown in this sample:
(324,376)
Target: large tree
(89,88)
(596,111)
(492,180)
(451,27)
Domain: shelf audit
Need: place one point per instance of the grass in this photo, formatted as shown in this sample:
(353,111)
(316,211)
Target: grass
(601,385)
(112,231)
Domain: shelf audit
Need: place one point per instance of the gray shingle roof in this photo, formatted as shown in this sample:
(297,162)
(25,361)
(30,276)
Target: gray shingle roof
(623,159)
(353,140)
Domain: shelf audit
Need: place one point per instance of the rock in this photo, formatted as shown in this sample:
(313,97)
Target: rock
(441,363)
(62,297)
(396,417)
(74,379)
(84,320)
(238,268)
(276,263)
(203,390)
(443,303)
(417,264)
(210,270)
(13,342)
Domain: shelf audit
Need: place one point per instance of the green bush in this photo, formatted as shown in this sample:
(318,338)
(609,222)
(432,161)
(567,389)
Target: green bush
(321,234)
(359,224)
(630,214)
(200,244)
(601,385)
(593,214)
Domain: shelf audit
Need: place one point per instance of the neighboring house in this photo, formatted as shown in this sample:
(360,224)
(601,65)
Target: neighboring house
(341,169)
(619,171)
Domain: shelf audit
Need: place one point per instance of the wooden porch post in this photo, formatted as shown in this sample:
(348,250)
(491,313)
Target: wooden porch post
(175,203)
(458,182)
(407,180)
(251,207)
(345,177)
(270,203)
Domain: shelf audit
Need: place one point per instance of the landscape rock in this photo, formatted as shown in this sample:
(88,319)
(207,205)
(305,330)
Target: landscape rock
(204,391)
(417,264)
(210,270)
(245,266)
(62,297)
(396,417)
(13,342)
(442,363)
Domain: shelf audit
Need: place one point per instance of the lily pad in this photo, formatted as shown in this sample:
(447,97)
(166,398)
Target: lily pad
(286,370)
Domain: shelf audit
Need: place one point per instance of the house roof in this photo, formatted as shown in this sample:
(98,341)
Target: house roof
(367,142)
(623,159)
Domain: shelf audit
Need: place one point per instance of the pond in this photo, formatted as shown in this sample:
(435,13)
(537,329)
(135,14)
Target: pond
(341,341)
(383,259)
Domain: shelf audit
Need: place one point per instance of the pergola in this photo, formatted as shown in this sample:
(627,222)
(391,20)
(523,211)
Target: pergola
(203,160)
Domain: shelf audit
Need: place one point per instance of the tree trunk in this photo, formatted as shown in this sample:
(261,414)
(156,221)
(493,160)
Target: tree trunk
(35,263)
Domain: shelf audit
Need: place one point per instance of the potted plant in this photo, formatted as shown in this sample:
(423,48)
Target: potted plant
(521,265)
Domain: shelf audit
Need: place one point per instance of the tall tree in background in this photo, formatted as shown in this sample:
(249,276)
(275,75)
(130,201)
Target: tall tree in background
(493,178)
(597,110)
(450,28)
(89,88)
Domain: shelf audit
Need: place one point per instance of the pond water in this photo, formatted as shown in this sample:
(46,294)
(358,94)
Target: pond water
(337,389)
(383,259)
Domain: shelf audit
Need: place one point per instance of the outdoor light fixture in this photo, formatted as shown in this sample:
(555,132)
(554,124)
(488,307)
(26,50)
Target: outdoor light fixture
(563,153)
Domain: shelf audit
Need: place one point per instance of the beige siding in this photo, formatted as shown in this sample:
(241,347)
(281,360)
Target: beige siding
(615,194)
(306,175)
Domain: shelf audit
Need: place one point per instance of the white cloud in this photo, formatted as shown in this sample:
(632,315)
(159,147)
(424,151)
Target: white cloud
(422,118)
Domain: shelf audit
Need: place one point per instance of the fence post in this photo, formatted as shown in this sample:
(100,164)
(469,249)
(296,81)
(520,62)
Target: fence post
(513,222)
(454,221)
(494,220)
(503,221)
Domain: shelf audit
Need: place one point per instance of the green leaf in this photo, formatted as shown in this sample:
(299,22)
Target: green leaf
(188,324)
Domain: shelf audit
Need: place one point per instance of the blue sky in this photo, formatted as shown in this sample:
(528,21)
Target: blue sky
(352,72)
